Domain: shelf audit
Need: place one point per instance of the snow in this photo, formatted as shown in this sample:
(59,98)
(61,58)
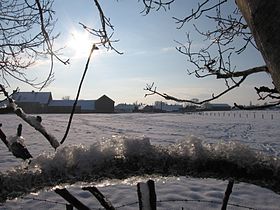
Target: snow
(18,139)
(243,138)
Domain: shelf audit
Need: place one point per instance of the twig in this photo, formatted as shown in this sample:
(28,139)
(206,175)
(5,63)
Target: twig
(149,5)
(198,12)
(49,45)
(78,94)
(102,33)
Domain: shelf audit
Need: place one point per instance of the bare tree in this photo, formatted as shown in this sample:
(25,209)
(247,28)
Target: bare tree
(252,23)
(26,36)
(27,27)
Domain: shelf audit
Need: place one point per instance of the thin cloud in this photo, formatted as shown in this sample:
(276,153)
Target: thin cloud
(168,49)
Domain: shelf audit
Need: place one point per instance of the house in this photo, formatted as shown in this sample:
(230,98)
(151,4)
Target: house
(147,108)
(125,108)
(161,106)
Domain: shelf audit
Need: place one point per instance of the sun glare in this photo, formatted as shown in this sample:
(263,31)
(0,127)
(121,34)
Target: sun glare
(79,42)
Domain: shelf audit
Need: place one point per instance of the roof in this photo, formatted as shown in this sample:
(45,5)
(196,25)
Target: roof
(39,97)
(106,98)
(84,104)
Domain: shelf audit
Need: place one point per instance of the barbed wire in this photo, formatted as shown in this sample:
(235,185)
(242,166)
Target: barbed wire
(204,201)
(136,202)
(44,200)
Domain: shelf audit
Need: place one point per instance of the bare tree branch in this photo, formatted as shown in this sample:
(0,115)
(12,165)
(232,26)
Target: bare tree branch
(49,43)
(155,4)
(265,92)
(153,91)
(257,107)
(102,33)
(242,73)
(33,121)
(215,58)
(201,8)
(78,94)
(26,26)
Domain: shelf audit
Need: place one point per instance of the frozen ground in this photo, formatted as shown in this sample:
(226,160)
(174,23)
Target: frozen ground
(241,137)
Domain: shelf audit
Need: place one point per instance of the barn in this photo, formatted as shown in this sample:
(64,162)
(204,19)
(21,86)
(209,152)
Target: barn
(104,105)
(33,102)
(42,102)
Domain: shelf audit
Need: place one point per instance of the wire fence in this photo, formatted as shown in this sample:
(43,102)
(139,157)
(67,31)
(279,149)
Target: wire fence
(135,204)
(147,199)
(182,204)
(257,115)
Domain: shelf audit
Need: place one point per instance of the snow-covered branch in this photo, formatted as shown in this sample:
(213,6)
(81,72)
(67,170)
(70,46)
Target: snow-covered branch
(34,121)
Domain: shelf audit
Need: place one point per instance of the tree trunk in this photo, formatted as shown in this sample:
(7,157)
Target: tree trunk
(263,18)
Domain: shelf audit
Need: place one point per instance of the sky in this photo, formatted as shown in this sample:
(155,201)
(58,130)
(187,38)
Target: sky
(149,56)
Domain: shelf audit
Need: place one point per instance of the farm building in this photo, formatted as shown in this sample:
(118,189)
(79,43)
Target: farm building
(65,106)
(102,105)
(33,102)
(125,108)
(161,106)
(42,102)
(216,107)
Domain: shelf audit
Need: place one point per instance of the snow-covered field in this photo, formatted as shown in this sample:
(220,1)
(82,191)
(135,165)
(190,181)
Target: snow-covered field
(171,149)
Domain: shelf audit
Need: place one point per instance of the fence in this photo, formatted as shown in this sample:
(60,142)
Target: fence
(147,199)
(257,115)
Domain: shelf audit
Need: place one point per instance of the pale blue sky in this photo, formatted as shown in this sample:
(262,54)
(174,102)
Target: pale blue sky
(149,56)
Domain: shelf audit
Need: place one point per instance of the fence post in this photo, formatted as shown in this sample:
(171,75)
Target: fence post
(69,207)
(147,195)
(71,199)
(227,194)
(100,197)
(3,137)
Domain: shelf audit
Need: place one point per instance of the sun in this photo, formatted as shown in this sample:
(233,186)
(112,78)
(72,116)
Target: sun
(79,43)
